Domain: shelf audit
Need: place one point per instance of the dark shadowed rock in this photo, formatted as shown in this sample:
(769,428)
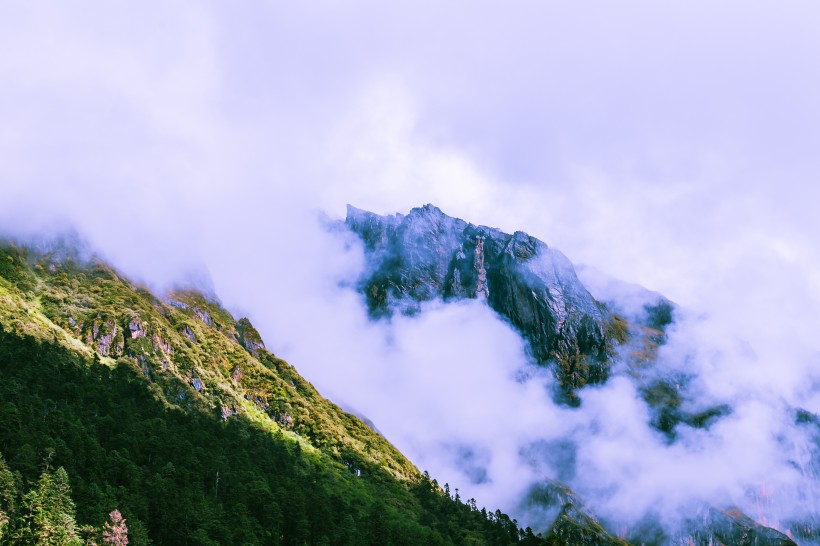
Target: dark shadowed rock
(248,337)
(571,522)
(666,401)
(427,255)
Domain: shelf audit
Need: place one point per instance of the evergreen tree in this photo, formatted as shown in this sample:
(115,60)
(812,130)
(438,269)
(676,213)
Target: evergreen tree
(47,513)
(8,495)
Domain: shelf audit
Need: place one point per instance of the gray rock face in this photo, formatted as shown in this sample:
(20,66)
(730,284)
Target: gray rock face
(105,337)
(204,316)
(427,255)
(135,328)
(189,333)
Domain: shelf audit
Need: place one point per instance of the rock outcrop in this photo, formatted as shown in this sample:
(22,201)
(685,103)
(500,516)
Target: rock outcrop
(571,521)
(105,337)
(135,329)
(249,337)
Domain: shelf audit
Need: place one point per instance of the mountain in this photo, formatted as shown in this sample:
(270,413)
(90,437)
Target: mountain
(175,413)
(172,412)
(426,255)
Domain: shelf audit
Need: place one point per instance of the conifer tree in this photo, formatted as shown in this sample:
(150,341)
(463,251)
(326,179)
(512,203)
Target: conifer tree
(8,494)
(48,513)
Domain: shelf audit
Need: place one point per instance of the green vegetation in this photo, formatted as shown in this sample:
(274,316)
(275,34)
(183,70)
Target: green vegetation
(173,413)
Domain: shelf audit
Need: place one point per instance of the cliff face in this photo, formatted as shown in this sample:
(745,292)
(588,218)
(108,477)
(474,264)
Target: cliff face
(427,255)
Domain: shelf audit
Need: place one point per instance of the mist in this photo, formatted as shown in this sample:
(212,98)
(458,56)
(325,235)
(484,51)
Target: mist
(672,147)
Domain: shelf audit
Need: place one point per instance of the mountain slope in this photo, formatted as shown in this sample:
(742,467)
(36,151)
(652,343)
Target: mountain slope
(175,413)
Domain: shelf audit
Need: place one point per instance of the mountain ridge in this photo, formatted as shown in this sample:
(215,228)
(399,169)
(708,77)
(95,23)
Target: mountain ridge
(426,255)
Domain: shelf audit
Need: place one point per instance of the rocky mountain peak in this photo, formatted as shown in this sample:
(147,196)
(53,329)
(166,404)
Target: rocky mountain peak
(427,255)
(429,210)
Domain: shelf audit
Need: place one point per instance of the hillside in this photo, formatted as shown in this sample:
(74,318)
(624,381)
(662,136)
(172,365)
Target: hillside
(173,412)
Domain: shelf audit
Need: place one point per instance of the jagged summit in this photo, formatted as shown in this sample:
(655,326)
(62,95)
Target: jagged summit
(426,255)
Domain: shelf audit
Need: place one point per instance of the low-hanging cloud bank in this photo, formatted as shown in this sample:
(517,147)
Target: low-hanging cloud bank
(208,138)
(455,390)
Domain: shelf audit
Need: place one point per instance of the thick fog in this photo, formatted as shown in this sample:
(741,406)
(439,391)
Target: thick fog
(672,146)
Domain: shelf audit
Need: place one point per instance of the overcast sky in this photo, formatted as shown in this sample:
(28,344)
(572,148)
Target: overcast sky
(670,144)
(661,143)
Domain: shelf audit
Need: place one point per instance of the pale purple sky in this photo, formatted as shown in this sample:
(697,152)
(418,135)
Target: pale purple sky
(636,136)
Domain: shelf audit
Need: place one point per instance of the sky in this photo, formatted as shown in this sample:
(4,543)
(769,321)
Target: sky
(672,145)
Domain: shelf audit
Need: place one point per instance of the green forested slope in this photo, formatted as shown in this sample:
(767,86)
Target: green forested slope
(172,412)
